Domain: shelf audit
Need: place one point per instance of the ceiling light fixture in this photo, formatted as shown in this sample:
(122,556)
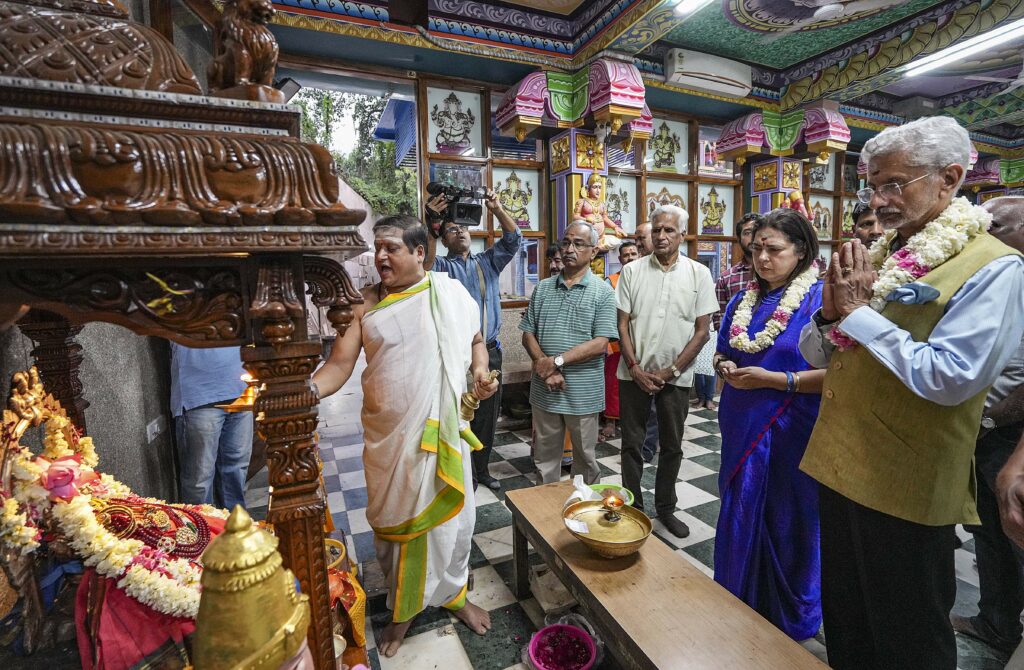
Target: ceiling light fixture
(690,6)
(955,52)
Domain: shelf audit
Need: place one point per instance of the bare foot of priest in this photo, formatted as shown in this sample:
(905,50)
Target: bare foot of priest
(392,636)
(476,619)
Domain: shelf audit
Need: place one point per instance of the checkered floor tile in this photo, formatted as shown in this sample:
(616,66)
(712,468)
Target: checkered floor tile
(437,639)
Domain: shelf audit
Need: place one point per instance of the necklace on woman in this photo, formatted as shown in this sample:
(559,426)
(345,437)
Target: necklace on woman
(739,338)
(936,243)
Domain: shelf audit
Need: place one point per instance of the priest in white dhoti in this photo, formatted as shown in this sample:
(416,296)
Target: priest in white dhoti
(421,334)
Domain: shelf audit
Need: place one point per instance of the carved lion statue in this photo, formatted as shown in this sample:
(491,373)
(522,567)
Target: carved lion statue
(245,51)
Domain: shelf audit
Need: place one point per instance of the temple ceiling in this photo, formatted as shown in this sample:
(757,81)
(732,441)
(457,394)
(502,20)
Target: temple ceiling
(800,51)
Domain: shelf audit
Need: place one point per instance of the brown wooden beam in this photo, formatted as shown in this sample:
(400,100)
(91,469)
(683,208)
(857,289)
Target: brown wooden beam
(161,18)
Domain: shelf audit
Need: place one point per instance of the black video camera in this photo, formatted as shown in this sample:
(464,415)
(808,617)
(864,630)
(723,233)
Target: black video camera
(466,214)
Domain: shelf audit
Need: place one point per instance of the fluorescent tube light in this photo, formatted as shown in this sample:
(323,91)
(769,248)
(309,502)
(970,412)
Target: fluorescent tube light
(690,6)
(959,51)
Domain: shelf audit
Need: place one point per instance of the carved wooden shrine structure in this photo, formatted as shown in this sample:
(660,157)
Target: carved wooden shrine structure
(127,196)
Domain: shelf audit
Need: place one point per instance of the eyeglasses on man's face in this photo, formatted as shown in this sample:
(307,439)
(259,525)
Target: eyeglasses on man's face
(579,245)
(891,190)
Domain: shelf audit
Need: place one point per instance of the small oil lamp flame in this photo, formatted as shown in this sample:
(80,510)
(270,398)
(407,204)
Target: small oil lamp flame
(246,401)
(612,504)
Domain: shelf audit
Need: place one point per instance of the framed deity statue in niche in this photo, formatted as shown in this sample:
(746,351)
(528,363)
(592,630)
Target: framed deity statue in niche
(822,176)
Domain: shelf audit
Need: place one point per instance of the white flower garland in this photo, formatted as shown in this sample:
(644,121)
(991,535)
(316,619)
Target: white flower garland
(940,239)
(740,340)
(168,585)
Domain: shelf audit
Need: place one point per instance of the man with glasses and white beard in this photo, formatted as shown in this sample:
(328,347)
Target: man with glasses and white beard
(913,335)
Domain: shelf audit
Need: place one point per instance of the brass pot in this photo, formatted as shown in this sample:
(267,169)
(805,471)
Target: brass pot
(611,539)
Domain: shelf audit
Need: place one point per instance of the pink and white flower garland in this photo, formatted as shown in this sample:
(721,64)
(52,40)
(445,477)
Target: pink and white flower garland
(936,243)
(740,340)
(62,483)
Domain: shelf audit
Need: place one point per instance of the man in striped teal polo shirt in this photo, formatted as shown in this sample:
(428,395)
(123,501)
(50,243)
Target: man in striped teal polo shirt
(570,320)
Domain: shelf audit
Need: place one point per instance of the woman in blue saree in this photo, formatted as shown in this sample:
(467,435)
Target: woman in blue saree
(766,547)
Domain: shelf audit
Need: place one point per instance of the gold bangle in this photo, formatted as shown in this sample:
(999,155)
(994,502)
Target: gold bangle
(796,382)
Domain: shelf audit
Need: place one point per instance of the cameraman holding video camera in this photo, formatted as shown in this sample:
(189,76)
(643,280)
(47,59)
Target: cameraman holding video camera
(479,274)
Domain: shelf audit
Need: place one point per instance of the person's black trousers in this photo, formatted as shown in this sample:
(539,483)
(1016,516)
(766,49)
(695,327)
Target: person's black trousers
(671,405)
(485,421)
(887,588)
(1000,561)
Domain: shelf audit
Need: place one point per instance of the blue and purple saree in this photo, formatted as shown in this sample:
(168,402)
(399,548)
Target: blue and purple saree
(766,547)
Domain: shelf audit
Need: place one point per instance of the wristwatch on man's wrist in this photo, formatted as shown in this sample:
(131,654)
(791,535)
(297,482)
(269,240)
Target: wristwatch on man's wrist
(675,371)
(559,361)
(988,423)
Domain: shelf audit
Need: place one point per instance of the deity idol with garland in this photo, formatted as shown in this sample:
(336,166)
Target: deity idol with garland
(591,207)
(143,558)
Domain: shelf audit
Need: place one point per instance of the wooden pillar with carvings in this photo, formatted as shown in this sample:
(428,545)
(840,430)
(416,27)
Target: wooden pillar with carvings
(283,361)
(58,356)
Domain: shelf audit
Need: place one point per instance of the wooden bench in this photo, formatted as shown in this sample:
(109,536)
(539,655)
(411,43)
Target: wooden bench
(653,609)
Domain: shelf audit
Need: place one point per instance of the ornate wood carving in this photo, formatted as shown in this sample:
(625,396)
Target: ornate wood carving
(87,99)
(331,287)
(244,52)
(75,46)
(57,357)
(277,303)
(286,416)
(197,304)
(92,175)
(21,239)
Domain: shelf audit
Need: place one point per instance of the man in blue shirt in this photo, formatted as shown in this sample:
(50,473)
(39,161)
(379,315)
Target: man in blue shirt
(214,446)
(479,274)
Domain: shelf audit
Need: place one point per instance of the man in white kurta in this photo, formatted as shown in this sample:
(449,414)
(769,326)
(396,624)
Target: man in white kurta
(421,333)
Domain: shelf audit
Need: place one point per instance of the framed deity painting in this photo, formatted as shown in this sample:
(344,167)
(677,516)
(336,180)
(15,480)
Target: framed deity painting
(708,162)
(715,211)
(664,192)
(848,223)
(454,126)
(852,181)
(518,192)
(620,196)
(822,176)
(668,149)
(821,210)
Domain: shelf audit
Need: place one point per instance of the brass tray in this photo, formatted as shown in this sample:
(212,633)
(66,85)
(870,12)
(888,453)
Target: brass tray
(607,538)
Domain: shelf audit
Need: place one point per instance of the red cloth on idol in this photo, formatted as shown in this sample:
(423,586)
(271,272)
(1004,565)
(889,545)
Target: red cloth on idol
(128,630)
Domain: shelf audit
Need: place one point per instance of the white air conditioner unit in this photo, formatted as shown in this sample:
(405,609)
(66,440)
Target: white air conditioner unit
(703,72)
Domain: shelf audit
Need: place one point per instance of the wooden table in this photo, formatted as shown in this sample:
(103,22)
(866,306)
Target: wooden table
(653,609)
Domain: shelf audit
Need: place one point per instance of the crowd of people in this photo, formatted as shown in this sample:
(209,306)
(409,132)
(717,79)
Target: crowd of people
(856,400)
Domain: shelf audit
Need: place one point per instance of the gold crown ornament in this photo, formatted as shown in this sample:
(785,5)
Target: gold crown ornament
(250,615)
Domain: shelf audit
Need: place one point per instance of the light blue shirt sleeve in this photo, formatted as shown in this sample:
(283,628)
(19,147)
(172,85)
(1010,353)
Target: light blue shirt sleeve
(969,346)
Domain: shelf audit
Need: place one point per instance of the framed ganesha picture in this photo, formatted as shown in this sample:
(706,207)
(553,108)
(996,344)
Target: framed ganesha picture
(668,149)
(518,192)
(454,126)
(715,210)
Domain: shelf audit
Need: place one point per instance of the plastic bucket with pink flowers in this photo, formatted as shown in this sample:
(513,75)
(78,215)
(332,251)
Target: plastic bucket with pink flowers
(562,647)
